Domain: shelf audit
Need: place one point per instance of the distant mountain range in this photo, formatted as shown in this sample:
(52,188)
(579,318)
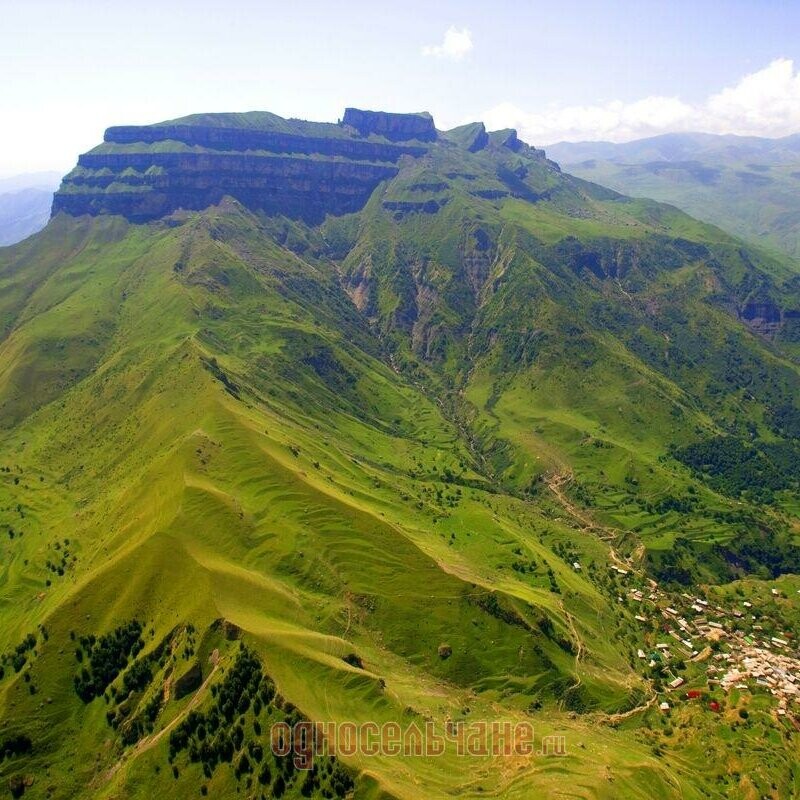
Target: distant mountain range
(25,202)
(747,185)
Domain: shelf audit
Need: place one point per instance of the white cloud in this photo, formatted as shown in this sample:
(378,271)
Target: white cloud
(456,44)
(768,100)
(763,103)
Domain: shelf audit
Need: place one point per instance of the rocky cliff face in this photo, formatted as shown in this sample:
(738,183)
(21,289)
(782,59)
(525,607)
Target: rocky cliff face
(144,186)
(300,169)
(396,127)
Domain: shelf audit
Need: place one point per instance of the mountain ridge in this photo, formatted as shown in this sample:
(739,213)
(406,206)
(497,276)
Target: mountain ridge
(413,459)
(674,144)
(25,204)
(295,167)
(746,185)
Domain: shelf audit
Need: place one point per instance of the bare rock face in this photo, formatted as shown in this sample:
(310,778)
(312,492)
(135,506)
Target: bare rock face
(144,186)
(303,170)
(763,317)
(480,139)
(512,141)
(395,127)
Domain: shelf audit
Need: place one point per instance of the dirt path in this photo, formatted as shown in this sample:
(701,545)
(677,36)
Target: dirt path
(612,719)
(148,742)
(555,483)
(348,598)
(580,648)
(622,289)
(639,554)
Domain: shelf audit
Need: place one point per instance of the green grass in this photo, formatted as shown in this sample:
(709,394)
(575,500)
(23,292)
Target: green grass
(212,429)
(756,203)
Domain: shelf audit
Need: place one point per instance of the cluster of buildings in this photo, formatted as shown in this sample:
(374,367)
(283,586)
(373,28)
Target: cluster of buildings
(771,666)
(740,653)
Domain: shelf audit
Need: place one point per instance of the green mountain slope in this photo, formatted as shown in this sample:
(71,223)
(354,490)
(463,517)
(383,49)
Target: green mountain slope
(746,185)
(371,452)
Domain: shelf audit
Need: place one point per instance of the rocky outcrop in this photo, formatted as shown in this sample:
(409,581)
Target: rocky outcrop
(395,127)
(142,186)
(480,140)
(473,136)
(512,141)
(764,317)
(403,207)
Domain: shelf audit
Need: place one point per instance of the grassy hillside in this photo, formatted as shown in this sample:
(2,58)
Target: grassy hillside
(747,186)
(253,470)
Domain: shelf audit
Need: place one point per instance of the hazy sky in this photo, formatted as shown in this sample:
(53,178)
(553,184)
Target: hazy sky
(556,69)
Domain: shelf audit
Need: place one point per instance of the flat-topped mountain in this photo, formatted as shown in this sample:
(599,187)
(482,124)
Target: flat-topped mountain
(397,127)
(299,169)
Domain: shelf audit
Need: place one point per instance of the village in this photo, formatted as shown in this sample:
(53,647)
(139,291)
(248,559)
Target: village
(739,648)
